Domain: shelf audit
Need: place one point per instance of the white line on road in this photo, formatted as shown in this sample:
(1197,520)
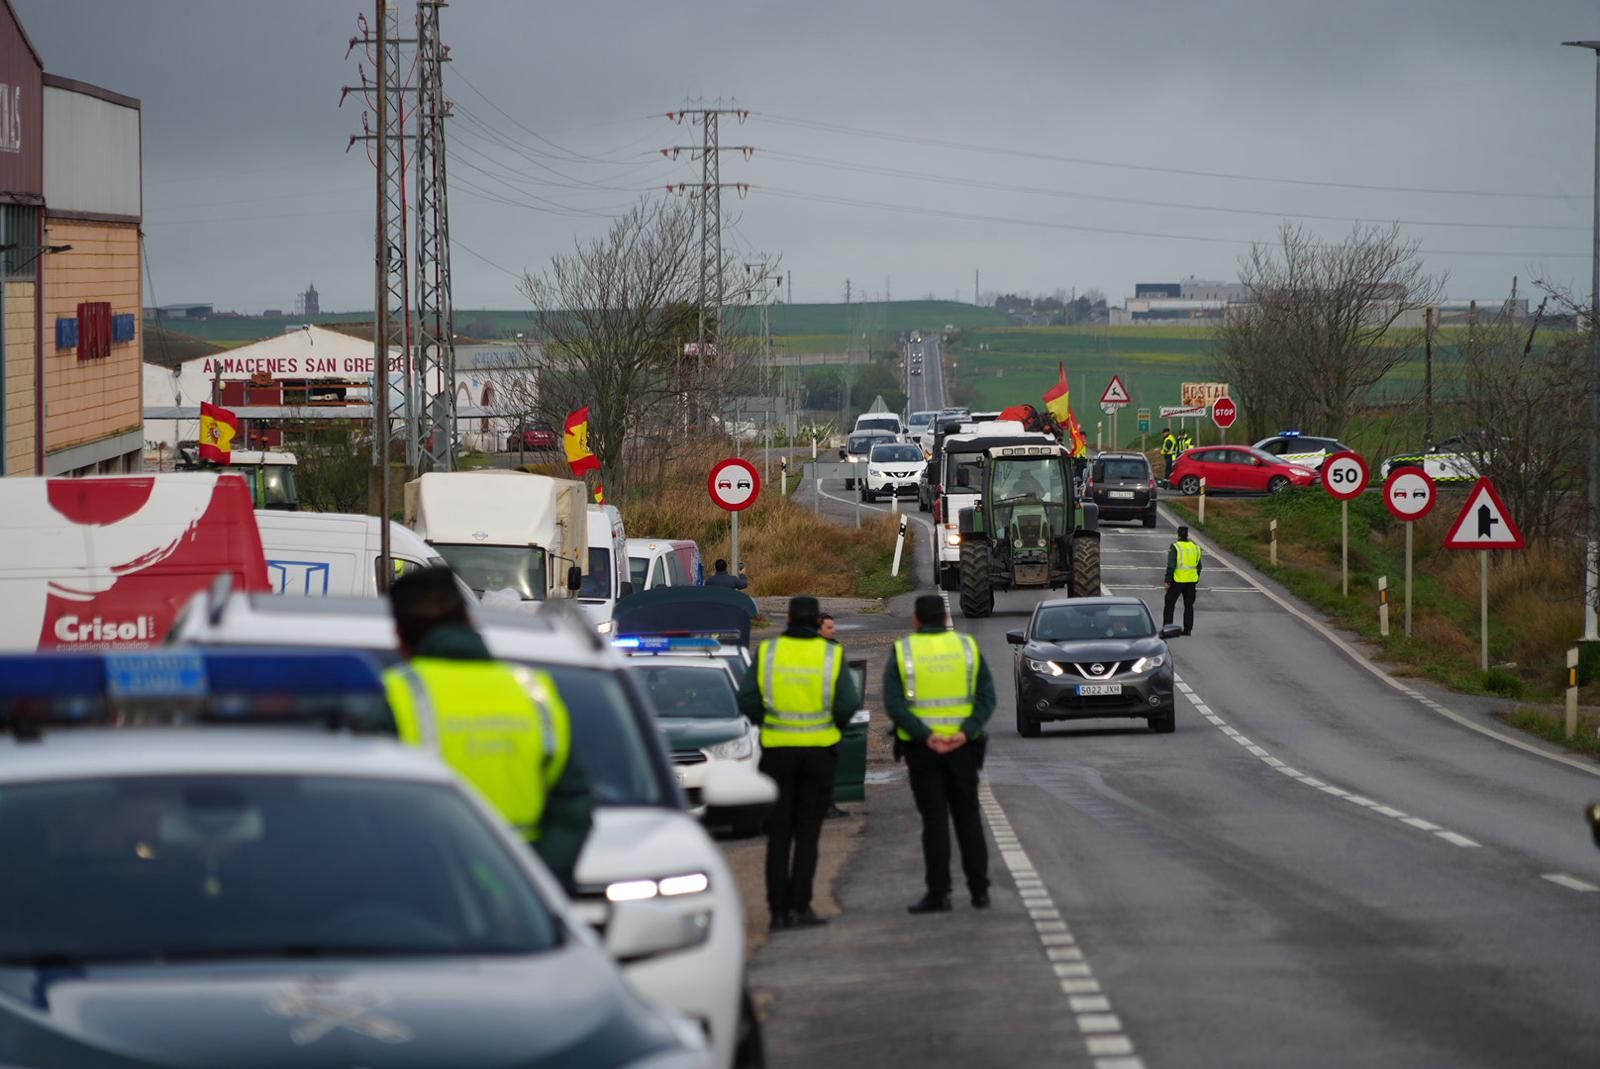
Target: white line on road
(1571,883)
(1091,1007)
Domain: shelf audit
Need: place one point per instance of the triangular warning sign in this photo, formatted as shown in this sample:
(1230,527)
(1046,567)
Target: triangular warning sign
(1116,393)
(1484,522)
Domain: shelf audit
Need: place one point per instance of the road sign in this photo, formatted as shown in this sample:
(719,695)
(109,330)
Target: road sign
(1182,411)
(1224,412)
(1484,522)
(1109,407)
(1201,394)
(1409,494)
(1344,475)
(1116,394)
(1144,421)
(734,484)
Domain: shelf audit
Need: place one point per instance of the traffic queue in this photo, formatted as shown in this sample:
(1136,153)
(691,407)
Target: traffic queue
(256,814)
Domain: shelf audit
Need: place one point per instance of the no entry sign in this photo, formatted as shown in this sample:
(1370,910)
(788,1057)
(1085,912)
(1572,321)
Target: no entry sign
(734,484)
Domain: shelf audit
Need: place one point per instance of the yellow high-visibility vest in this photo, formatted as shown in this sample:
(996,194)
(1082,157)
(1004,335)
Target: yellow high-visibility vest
(1187,567)
(798,678)
(504,729)
(1169,445)
(940,674)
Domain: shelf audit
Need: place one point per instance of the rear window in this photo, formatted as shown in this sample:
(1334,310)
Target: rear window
(1121,468)
(963,472)
(879,423)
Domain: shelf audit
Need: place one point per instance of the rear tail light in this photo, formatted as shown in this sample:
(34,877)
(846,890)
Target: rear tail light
(938,508)
(1152,483)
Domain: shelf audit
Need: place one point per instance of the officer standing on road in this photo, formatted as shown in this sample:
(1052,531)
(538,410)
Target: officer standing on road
(799,693)
(1185,442)
(1169,450)
(503,729)
(1183,575)
(720,576)
(939,693)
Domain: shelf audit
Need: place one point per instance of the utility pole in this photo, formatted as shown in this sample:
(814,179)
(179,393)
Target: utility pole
(974,285)
(1427,378)
(709,189)
(435,335)
(1591,583)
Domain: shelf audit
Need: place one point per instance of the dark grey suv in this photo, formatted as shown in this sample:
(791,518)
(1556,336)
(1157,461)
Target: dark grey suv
(1086,658)
(1124,487)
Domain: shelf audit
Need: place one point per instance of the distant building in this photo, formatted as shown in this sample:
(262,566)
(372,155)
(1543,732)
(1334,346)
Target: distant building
(272,313)
(313,303)
(179,311)
(1154,290)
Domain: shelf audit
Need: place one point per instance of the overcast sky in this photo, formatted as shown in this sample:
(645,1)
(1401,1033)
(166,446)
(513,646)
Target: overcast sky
(249,193)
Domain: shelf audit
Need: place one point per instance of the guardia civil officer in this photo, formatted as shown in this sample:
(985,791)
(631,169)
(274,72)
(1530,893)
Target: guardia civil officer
(1183,576)
(1169,450)
(799,693)
(938,691)
(504,729)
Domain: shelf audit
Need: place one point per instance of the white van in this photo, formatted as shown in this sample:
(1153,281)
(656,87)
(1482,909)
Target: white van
(879,421)
(316,554)
(608,566)
(654,562)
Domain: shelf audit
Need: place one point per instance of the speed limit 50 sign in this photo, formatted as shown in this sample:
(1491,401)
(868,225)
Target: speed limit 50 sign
(1344,475)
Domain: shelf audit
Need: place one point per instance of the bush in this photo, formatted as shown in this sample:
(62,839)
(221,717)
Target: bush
(1501,682)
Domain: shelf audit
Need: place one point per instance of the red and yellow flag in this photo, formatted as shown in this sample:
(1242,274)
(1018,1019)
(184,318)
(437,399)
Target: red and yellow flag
(218,428)
(575,439)
(1058,399)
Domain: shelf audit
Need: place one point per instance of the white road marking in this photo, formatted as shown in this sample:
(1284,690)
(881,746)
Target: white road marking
(1456,838)
(1091,1007)
(1571,883)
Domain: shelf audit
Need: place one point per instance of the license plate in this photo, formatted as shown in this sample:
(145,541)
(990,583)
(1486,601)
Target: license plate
(1096,690)
(1126,495)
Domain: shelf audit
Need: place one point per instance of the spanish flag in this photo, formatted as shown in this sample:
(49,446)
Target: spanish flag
(218,428)
(575,438)
(1058,399)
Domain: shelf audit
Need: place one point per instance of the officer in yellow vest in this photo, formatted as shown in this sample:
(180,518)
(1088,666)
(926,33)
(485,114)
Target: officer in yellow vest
(1169,450)
(1185,442)
(801,695)
(502,728)
(938,691)
(1183,575)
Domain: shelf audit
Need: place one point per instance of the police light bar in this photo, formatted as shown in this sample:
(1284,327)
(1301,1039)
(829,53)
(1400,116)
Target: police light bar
(1291,433)
(663,643)
(240,686)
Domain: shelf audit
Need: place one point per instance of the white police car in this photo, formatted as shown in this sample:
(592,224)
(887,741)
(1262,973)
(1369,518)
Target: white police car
(1454,460)
(644,845)
(1305,450)
(211,883)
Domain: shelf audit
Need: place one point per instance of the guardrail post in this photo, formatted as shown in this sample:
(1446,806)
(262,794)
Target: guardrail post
(1272,542)
(1201,509)
(1572,692)
(1383,605)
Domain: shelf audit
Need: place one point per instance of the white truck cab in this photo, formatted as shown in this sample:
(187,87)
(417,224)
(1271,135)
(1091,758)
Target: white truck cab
(316,554)
(608,578)
(653,563)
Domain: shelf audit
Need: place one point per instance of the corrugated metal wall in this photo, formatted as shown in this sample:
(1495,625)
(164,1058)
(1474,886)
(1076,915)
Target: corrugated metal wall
(91,154)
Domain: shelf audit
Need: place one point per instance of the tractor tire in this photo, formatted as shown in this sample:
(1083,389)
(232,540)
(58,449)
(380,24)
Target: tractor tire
(1085,567)
(977,587)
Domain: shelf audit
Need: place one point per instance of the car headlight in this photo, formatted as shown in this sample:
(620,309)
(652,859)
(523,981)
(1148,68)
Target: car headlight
(605,627)
(739,749)
(689,883)
(1144,664)
(953,538)
(1048,668)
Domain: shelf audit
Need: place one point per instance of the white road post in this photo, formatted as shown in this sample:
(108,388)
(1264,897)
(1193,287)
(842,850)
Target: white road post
(1383,605)
(1099,435)
(1200,510)
(1272,542)
(783,476)
(899,544)
(1572,692)
(813,447)
(1483,605)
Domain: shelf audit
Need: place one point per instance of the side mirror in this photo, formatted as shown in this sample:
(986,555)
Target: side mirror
(1171,631)
(574,579)
(646,928)
(1016,638)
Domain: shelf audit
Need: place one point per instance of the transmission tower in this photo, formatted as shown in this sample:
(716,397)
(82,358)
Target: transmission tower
(434,335)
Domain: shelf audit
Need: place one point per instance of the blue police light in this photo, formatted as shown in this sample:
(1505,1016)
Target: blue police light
(664,643)
(1293,432)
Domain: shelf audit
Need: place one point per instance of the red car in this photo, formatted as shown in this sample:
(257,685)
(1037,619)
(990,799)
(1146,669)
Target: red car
(1237,469)
(531,436)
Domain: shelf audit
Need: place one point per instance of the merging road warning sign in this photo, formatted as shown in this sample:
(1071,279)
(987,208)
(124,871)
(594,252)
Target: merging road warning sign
(1484,522)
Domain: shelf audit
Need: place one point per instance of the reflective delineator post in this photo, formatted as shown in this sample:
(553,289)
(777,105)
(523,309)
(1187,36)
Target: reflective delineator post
(1572,692)
(1272,542)
(783,476)
(1200,510)
(1383,605)
(899,545)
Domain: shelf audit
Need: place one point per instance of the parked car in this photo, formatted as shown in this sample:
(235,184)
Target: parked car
(1454,460)
(532,436)
(1086,658)
(1297,448)
(1236,469)
(230,893)
(1124,487)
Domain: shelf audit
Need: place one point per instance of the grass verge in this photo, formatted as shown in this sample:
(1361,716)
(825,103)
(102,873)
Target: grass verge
(1535,600)
(1553,726)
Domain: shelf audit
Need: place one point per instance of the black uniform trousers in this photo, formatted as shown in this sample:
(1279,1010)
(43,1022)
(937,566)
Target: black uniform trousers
(945,787)
(1175,591)
(804,775)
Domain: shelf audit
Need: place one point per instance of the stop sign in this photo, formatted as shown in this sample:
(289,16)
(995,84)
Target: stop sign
(1224,412)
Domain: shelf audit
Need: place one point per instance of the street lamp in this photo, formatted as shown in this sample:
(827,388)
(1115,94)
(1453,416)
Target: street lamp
(1591,557)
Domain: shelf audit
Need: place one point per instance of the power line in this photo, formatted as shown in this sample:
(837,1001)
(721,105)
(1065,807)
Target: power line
(457,243)
(965,146)
(569,155)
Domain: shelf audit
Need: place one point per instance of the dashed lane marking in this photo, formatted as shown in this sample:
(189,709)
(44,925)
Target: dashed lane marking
(1571,883)
(1104,1037)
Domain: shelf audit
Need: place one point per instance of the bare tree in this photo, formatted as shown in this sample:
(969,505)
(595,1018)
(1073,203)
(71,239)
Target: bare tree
(616,320)
(1323,325)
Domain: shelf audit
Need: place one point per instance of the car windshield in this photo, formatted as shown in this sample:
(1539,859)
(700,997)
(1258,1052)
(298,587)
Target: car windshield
(606,736)
(881,423)
(1121,468)
(895,454)
(921,420)
(197,866)
(277,487)
(963,471)
(863,443)
(681,692)
(485,568)
(1029,478)
(1086,623)
(638,568)
(597,584)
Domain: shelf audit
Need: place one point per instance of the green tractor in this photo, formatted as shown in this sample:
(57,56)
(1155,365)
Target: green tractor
(1025,530)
